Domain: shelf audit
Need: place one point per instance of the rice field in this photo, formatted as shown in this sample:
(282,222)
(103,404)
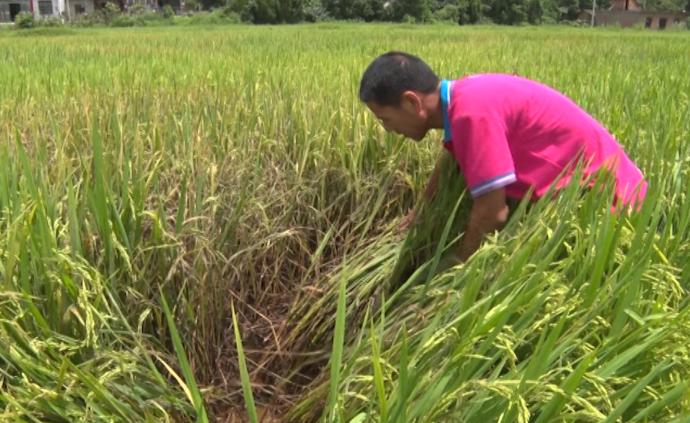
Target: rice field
(201,224)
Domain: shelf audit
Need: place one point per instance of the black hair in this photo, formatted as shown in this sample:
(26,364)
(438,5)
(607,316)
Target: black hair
(393,73)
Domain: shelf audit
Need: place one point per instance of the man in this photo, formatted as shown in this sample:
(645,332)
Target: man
(510,136)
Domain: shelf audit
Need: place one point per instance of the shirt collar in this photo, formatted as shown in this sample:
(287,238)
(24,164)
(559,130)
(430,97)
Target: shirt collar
(445,103)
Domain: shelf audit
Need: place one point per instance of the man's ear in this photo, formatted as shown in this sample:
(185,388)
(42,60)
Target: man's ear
(412,101)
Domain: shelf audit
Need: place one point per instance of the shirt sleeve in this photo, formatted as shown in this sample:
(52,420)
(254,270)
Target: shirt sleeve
(481,149)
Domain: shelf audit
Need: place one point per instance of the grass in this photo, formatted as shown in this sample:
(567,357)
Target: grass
(153,177)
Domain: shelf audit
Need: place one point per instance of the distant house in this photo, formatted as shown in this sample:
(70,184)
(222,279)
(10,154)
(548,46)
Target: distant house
(9,9)
(626,13)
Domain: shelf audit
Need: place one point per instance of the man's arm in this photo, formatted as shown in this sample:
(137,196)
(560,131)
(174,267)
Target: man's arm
(489,212)
(429,191)
(432,185)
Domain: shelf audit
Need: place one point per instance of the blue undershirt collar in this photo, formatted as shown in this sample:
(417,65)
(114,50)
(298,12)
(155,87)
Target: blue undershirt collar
(445,103)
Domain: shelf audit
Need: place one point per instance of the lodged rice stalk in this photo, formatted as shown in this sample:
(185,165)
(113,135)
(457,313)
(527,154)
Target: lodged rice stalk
(438,223)
(381,268)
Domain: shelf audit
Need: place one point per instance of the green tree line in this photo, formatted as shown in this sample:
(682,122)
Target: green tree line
(509,12)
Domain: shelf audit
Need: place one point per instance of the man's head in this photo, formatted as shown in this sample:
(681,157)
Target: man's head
(401,90)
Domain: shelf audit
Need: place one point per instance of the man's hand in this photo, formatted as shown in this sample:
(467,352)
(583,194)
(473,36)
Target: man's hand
(429,192)
(432,184)
(407,221)
(489,213)
(448,260)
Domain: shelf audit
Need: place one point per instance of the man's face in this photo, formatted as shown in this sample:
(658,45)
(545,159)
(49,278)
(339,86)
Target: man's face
(408,118)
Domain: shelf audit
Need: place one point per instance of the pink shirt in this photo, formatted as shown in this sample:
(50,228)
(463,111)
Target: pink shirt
(507,131)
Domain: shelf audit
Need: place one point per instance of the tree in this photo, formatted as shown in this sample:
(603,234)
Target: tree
(369,10)
(508,12)
(193,5)
(475,10)
(290,11)
(569,9)
(264,11)
(210,4)
(267,11)
(242,7)
(448,12)
(420,10)
(314,11)
(550,12)
(674,5)
(534,12)
(340,9)
(601,4)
